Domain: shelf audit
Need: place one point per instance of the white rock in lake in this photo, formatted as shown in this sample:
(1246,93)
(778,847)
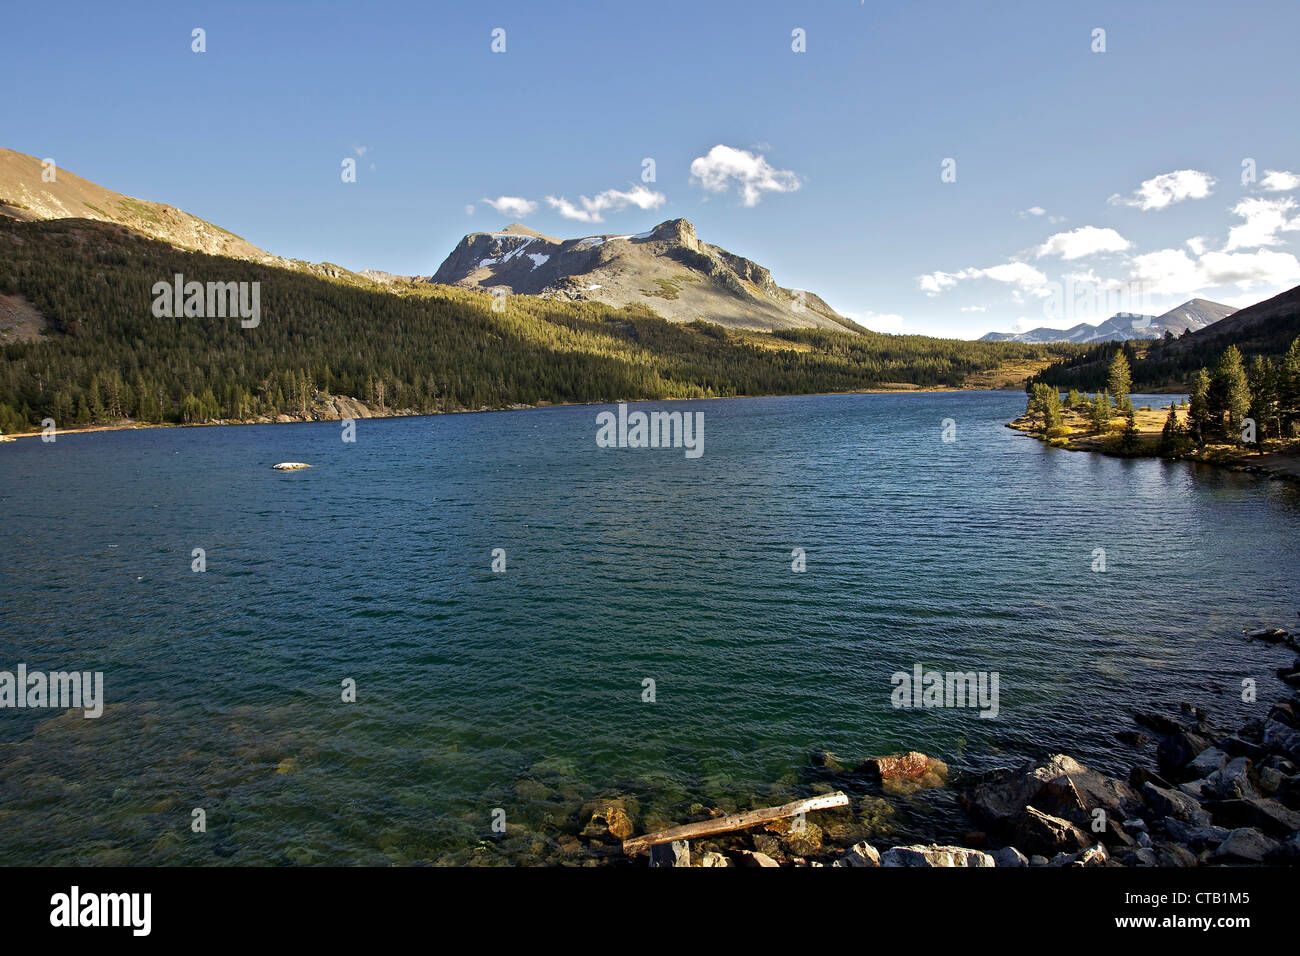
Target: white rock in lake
(290,466)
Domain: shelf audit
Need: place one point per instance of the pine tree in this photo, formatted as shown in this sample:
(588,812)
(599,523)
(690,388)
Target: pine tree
(1100,412)
(1130,438)
(1233,389)
(1199,419)
(1119,380)
(1172,436)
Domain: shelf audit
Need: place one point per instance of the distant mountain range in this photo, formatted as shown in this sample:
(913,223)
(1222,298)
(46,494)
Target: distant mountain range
(668,269)
(1193,315)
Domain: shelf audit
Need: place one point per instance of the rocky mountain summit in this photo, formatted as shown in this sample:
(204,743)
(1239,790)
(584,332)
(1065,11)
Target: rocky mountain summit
(1193,315)
(668,269)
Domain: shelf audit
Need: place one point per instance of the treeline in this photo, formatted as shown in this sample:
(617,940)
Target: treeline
(1234,403)
(422,348)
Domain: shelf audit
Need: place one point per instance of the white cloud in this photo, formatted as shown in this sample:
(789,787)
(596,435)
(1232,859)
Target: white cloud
(1033,211)
(1024,277)
(1279,181)
(360,150)
(1249,269)
(1265,218)
(753,174)
(513,206)
(589,210)
(469,209)
(1168,188)
(1166,272)
(1174,272)
(1084,241)
(974,308)
(1197,245)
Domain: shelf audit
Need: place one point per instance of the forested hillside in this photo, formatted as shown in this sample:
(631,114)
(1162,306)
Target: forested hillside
(1265,330)
(417,347)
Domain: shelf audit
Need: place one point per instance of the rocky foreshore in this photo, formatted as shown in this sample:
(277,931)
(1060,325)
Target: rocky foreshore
(1210,796)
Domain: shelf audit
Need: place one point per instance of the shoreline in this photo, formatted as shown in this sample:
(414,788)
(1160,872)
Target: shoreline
(1196,794)
(407,413)
(1273,465)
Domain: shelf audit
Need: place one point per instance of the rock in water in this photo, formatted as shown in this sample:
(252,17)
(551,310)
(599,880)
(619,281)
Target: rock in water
(290,466)
(906,772)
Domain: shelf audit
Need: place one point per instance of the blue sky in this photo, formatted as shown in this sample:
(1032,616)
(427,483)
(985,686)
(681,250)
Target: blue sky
(831,169)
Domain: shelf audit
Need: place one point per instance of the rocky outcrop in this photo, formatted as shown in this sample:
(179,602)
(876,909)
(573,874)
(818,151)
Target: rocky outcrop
(667,270)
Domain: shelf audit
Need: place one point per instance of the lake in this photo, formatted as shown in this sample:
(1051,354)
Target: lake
(525,690)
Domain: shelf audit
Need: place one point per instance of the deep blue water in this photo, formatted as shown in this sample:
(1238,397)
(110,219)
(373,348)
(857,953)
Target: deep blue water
(223,687)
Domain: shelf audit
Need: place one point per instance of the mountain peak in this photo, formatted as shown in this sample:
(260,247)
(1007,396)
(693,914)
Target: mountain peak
(519,229)
(667,270)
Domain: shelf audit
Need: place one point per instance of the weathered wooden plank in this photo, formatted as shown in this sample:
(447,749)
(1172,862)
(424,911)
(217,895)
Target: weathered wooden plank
(737,821)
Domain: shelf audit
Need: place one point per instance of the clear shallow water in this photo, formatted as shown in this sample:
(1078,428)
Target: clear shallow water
(523,690)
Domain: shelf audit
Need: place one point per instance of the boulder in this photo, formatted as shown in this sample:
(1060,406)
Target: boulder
(1173,855)
(1239,746)
(1039,860)
(1009,856)
(934,856)
(1235,780)
(1197,837)
(1207,761)
(1244,845)
(609,818)
(1040,832)
(671,854)
(862,855)
(753,859)
(1260,812)
(1178,750)
(1059,786)
(713,858)
(1280,739)
(1172,803)
(906,772)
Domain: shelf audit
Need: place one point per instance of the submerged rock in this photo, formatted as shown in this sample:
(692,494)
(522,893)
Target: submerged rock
(906,772)
(609,818)
(290,466)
